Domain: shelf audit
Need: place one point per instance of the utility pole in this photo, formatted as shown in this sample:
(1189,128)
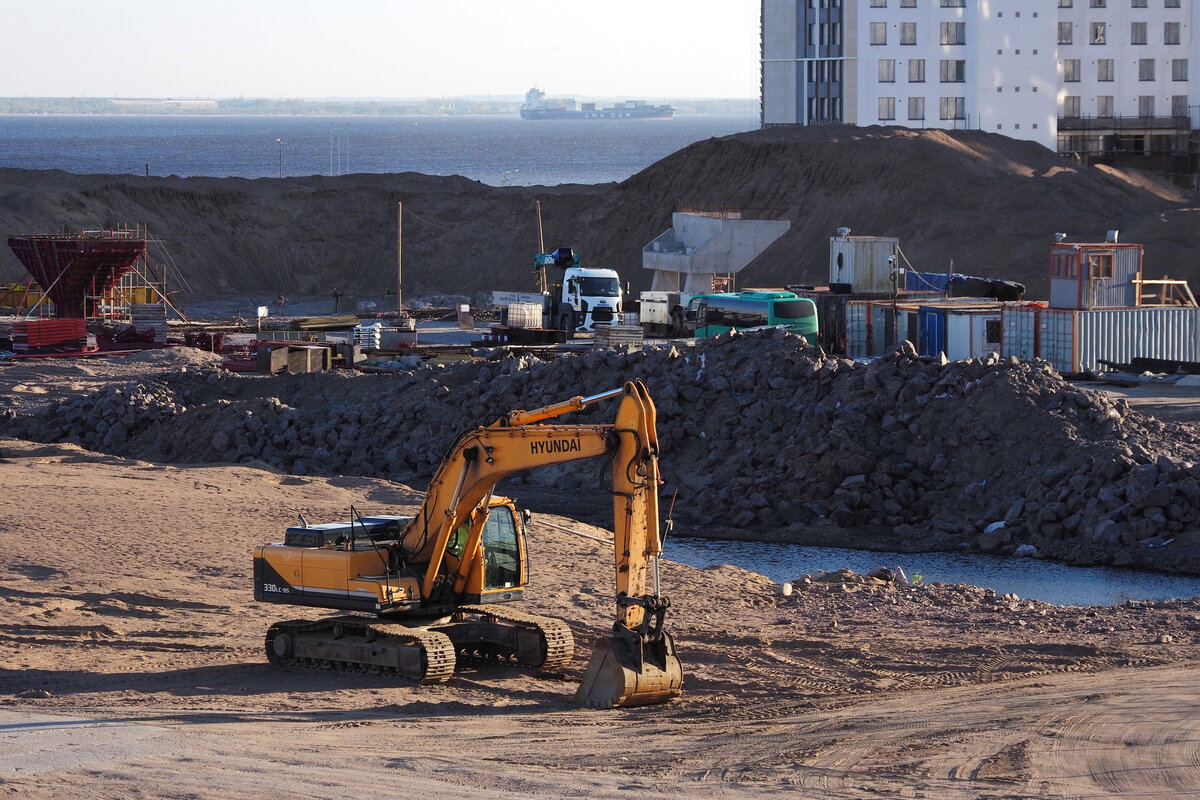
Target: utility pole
(399,263)
(280,157)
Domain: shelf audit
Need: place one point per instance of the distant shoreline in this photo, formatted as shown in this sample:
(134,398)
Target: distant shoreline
(442,107)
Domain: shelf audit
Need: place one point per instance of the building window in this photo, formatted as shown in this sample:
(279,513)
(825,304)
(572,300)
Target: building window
(1063,265)
(1104,105)
(1179,105)
(1139,4)
(1137,33)
(952,107)
(1064,32)
(1100,265)
(1170,33)
(916,70)
(1146,105)
(953,71)
(1097,33)
(1070,70)
(916,108)
(878,33)
(1071,106)
(1104,69)
(908,3)
(1064,3)
(878,3)
(1145,69)
(954,33)
(954,4)
(887,108)
(1097,4)
(908,33)
(1171,4)
(1179,69)
(887,70)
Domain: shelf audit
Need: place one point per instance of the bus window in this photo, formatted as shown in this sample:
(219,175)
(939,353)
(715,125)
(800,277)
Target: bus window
(793,309)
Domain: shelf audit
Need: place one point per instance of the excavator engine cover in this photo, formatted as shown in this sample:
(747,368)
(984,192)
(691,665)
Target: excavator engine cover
(625,672)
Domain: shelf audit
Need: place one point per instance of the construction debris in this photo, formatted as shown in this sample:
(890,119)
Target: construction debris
(763,436)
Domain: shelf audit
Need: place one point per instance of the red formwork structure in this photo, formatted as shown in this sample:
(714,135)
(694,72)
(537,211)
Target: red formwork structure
(78,269)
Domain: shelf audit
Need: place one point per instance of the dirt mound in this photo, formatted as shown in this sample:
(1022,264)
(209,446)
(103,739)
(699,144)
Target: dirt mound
(989,203)
(763,436)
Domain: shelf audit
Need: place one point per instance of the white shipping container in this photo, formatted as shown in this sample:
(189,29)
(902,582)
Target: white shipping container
(1076,341)
(524,315)
(1020,325)
(970,334)
(863,263)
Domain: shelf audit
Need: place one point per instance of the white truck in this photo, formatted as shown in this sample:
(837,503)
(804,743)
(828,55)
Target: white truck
(577,301)
(584,297)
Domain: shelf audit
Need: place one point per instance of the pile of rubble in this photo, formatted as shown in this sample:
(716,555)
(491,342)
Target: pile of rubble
(762,435)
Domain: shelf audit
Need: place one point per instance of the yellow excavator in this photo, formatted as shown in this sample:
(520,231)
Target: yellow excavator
(431,589)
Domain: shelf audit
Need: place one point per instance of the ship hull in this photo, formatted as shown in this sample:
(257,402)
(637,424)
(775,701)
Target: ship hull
(600,113)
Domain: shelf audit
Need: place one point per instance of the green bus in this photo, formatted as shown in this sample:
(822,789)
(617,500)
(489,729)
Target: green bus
(710,314)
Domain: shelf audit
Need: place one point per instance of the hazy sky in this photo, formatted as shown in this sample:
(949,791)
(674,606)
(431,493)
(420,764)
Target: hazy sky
(647,49)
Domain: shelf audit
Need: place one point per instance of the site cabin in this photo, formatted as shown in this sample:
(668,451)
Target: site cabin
(1087,276)
(711,314)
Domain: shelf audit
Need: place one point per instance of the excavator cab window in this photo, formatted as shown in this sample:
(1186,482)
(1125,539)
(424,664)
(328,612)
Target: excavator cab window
(501,550)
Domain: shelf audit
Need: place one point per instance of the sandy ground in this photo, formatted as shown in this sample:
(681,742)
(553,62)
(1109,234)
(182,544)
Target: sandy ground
(131,665)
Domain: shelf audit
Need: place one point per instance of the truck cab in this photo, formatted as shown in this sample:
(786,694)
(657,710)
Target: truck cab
(583,297)
(589,296)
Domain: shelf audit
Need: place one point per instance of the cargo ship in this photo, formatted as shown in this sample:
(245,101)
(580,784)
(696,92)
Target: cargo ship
(538,106)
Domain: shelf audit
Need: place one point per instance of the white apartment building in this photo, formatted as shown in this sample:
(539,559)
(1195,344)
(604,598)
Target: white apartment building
(1081,76)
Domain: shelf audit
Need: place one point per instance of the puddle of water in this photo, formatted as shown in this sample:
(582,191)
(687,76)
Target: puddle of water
(1025,577)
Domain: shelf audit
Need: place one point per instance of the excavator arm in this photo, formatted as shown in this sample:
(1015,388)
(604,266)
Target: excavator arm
(638,665)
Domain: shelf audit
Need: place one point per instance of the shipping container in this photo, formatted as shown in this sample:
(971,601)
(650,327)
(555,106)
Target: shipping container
(931,330)
(960,328)
(1077,341)
(908,326)
(863,264)
(973,333)
(883,327)
(1022,331)
(1088,276)
(858,328)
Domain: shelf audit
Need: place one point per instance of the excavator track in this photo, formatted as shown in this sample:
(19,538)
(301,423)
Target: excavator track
(356,644)
(494,634)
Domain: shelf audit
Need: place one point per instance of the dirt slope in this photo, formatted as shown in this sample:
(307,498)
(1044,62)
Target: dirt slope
(988,202)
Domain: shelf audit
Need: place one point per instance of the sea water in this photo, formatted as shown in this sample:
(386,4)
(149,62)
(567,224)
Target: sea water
(495,150)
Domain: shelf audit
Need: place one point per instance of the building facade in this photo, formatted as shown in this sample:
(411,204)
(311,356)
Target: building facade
(1098,79)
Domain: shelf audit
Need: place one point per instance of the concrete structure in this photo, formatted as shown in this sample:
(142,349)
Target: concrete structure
(1099,79)
(699,246)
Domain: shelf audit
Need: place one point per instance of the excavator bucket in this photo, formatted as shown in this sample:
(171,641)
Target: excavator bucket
(625,672)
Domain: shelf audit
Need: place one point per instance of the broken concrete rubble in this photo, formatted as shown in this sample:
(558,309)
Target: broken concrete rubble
(762,435)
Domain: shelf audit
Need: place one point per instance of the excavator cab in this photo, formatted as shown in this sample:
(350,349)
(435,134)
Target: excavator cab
(497,571)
